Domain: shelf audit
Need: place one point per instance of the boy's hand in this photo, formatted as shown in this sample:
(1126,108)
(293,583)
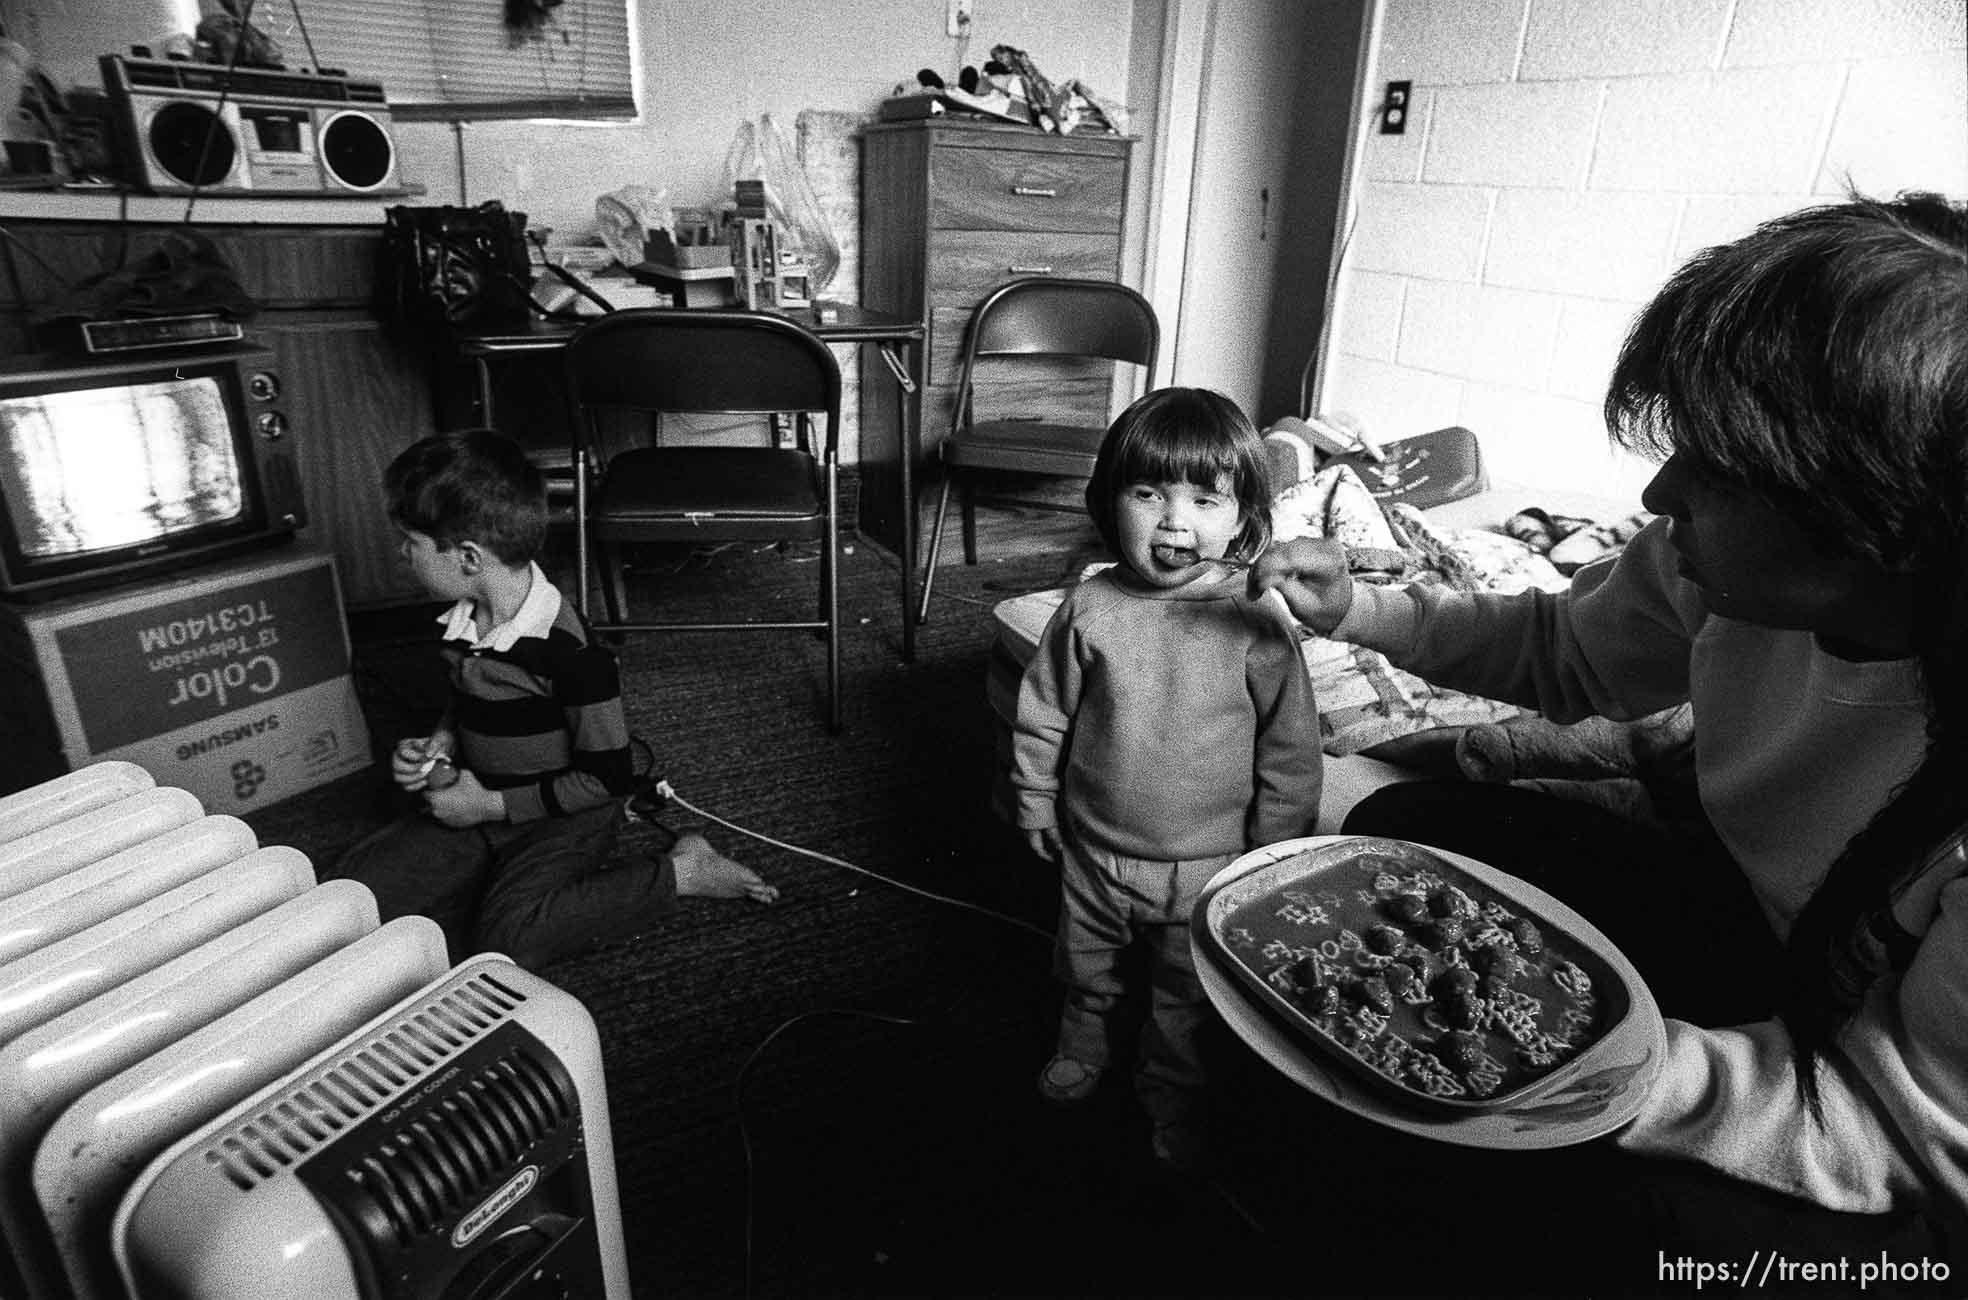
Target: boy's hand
(1044,842)
(410,763)
(465,803)
(1311,575)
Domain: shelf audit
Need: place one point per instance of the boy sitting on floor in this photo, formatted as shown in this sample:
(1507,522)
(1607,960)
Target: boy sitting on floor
(525,779)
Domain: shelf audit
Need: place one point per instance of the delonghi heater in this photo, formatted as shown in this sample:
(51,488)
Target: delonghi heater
(86,896)
(40,856)
(48,1068)
(458,1147)
(52,801)
(219,1078)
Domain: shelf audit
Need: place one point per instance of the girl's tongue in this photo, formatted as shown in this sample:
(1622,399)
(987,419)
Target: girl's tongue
(1174,557)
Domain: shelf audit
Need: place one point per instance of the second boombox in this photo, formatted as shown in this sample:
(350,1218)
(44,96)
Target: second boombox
(184,127)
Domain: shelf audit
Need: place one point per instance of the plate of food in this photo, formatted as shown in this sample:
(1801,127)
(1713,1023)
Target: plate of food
(1428,991)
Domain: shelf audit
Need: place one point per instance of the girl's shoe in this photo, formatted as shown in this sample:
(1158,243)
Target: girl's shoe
(1067,1082)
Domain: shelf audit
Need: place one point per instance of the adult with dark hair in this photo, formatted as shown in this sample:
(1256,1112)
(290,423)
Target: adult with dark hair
(1806,589)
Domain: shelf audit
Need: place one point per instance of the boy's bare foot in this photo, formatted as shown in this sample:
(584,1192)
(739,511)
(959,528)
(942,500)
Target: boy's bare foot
(703,872)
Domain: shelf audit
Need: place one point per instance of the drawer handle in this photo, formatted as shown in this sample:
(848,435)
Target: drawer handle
(1034,192)
(1029,270)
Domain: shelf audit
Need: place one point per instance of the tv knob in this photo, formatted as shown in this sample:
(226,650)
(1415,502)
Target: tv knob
(263,386)
(272,425)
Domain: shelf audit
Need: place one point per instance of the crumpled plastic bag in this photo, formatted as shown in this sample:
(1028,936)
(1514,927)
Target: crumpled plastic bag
(625,219)
(761,151)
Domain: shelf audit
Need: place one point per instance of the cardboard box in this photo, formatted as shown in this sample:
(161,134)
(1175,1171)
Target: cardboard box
(230,681)
(708,286)
(660,249)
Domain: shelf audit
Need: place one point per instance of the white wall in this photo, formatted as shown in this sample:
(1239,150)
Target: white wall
(1565,155)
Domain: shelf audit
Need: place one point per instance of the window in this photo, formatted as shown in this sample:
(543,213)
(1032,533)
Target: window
(436,59)
(447,60)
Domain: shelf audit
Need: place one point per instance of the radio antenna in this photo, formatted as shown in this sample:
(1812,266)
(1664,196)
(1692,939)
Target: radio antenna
(218,111)
(306,40)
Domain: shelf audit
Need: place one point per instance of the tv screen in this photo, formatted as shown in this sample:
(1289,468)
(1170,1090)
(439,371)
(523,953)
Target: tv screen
(95,469)
(116,468)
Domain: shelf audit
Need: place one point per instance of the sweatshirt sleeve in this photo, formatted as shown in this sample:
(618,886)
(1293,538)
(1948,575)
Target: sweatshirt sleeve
(1615,644)
(1288,769)
(1048,696)
(587,686)
(1894,1090)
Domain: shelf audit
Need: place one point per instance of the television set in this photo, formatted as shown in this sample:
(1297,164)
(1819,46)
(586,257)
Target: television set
(113,469)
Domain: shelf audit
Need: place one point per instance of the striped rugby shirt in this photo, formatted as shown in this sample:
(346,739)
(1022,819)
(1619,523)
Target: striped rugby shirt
(537,707)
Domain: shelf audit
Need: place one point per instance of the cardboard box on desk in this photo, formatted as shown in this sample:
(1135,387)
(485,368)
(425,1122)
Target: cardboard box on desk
(230,681)
(661,249)
(704,286)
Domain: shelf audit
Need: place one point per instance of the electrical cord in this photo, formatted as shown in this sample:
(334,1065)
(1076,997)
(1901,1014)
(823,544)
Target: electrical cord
(661,788)
(744,1077)
(665,790)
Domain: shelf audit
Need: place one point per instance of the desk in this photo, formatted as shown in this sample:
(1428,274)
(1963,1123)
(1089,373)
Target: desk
(889,333)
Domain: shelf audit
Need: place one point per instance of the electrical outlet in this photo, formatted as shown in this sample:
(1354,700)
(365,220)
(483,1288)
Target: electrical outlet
(958,23)
(1394,108)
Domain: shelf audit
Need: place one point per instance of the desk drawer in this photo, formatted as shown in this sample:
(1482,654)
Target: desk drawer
(964,265)
(1011,189)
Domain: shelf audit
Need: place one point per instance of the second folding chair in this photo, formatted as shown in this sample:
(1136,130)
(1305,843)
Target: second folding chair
(1031,326)
(659,361)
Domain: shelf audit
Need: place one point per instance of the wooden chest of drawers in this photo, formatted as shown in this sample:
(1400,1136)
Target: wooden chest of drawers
(949,211)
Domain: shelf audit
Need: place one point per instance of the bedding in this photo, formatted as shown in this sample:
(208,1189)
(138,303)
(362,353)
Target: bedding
(1365,701)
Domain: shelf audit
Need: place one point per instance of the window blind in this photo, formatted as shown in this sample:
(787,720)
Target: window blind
(452,60)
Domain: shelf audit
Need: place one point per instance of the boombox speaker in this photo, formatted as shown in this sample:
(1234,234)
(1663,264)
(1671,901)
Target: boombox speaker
(182,127)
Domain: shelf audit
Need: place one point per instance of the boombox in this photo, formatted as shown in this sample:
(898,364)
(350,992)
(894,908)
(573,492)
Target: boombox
(183,127)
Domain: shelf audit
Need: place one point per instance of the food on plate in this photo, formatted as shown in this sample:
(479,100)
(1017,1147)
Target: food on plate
(1416,970)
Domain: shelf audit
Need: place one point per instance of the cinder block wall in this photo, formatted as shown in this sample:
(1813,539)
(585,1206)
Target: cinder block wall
(1563,156)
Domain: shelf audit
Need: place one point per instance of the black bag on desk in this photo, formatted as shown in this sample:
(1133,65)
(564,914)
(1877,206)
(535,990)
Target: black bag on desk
(458,266)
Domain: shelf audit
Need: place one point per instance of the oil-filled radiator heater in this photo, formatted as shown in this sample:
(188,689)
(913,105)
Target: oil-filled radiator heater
(219,1078)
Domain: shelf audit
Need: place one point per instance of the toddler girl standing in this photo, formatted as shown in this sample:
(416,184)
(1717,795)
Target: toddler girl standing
(1143,759)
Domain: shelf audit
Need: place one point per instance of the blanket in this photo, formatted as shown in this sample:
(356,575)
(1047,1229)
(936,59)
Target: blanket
(1365,701)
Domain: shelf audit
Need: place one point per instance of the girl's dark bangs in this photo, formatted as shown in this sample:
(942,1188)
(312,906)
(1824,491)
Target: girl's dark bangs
(1187,454)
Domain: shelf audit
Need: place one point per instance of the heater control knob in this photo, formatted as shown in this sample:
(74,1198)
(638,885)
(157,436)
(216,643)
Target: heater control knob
(263,385)
(271,424)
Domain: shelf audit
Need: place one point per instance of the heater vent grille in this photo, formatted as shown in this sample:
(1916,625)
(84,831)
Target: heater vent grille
(463,1145)
(301,1121)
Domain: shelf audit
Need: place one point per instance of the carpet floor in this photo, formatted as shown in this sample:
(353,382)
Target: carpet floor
(833,1095)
